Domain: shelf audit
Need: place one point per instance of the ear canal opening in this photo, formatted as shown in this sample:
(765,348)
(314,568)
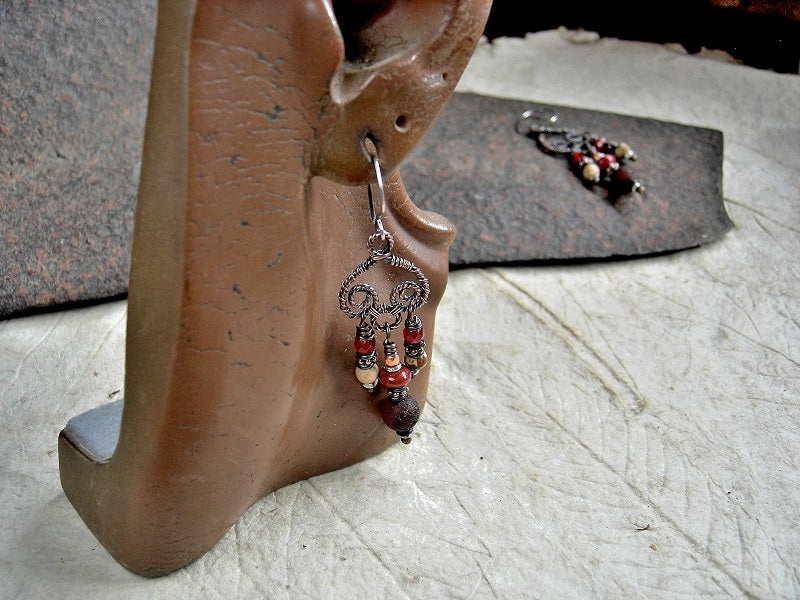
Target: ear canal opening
(355,16)
(377,30)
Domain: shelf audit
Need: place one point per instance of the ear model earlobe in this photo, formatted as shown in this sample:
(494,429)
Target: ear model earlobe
(401,61)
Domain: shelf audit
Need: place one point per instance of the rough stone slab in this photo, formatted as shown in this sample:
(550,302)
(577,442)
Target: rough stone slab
(74,78)
(511,202)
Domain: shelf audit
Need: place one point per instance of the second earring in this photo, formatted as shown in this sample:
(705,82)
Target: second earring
(593,158)
(359,300)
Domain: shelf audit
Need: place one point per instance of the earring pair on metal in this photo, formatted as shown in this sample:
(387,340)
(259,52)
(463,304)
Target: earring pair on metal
(594,159)
(361,301)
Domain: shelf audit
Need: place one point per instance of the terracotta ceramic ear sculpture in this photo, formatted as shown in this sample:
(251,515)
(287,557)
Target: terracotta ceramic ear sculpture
(252,209)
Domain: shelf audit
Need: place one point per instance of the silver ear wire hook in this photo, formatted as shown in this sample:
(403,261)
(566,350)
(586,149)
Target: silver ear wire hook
(538,123)
(554,140)
(374,214)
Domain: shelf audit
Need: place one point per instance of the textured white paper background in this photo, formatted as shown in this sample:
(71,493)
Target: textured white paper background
(625,430)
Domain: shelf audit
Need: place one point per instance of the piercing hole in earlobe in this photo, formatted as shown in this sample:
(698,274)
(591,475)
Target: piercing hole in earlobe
(401,124)
(369,146)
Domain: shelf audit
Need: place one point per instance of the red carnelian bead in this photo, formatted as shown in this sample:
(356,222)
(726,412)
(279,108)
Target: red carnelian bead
(607,161)
(395,379)
(364,346)
(599,143)
(576,158)
(413,337)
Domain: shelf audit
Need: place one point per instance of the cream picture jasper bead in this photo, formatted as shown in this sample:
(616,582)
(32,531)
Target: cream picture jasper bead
(591,172)
(623,151)
(415,363)
(367,376)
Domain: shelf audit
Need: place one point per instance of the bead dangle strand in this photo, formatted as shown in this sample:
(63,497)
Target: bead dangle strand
(414,343)
(399,410)
(594,159)
(364,343)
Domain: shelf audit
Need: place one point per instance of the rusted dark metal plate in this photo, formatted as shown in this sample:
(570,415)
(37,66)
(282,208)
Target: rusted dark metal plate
(513,203)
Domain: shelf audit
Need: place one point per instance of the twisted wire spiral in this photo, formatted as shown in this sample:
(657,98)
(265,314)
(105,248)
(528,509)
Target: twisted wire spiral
(563,141)
(361,300)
